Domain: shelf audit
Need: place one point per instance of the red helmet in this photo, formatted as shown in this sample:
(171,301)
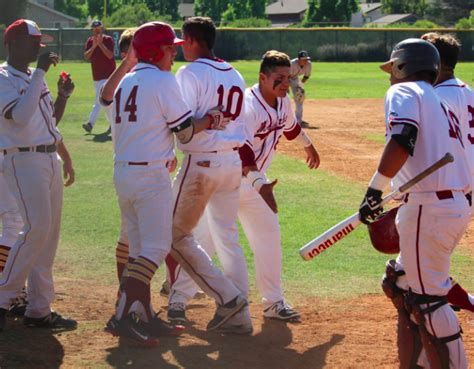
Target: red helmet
(149,38)
(383,233)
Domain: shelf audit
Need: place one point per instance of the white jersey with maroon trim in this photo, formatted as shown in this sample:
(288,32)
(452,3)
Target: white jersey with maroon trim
(205,84)
(147,104)
(41,129)
(460,98)
(266,125)
(418,104)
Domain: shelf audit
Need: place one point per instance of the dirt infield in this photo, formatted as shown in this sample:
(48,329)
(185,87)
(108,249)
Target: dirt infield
(359,333)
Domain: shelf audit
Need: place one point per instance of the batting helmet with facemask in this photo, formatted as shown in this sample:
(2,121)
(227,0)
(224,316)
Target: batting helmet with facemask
(410,56)
(149,38)
(383,233)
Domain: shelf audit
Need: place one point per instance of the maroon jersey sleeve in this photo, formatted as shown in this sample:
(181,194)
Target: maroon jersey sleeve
(109,43)
(88,44)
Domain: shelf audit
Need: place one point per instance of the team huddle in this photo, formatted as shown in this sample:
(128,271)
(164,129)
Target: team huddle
(229,134)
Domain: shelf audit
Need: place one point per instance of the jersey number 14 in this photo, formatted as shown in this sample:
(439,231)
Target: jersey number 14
(130,105)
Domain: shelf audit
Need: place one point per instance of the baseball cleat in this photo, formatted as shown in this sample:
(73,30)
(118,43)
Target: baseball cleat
(52,321)
(158,328)
(87,127)
(3,319)
(227,311)
(177,312)
(18,306)
(130,328)
(282,311)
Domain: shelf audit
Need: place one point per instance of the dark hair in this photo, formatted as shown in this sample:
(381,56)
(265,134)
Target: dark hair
(448,47)
(272,59)
(126,39)
(425,75)
(202,30)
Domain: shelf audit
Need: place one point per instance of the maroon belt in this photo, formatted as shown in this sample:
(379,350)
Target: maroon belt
(144,163)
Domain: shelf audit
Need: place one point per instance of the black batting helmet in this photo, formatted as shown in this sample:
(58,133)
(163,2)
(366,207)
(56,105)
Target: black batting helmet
(410,56)
(383,233)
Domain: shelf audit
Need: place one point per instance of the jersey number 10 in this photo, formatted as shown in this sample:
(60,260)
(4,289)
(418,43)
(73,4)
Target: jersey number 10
(235,99)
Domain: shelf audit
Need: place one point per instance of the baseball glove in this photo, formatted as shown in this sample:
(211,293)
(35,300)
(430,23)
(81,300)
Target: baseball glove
(299,95)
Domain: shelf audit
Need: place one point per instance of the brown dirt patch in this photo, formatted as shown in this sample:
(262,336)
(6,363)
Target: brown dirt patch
(355,334)
(346,334)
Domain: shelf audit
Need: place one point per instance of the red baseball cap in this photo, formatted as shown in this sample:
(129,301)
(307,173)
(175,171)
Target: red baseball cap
(21,28)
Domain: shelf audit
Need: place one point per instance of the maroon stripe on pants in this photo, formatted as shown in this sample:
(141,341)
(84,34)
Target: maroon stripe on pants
(180,254)
(27,222)
(418,226)
(170,261)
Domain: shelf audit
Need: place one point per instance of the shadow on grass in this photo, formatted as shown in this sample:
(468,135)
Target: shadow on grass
(25,348)
(268,349)
(100,137)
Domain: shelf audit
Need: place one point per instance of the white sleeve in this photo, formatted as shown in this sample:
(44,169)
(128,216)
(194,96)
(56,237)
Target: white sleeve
(25,107)
(189,88)
(402,107)
(173,107)
(9,94)
(250,122)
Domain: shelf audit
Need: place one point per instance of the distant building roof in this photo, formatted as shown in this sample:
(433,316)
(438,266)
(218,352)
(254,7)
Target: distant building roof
(53,12)
(367,8)
(394,18)
(287,7)
(186,10)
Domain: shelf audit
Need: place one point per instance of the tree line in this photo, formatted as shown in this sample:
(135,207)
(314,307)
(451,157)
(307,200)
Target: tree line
(247,13)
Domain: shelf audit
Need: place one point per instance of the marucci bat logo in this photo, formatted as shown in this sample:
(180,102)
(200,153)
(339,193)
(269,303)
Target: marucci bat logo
(328,243)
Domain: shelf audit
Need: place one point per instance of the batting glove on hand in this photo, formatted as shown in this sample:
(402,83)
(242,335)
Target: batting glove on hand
(370,208)
(218,120)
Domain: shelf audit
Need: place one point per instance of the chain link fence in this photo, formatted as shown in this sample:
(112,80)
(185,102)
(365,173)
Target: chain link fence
(323,44)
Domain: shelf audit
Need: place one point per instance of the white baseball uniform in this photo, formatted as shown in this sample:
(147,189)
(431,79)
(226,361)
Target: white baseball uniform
(258,221)
(32,171)
(210,176)
(435,213)
(297,70)
(460,98)
(143,143)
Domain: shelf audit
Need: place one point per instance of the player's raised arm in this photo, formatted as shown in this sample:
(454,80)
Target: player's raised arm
(107,93)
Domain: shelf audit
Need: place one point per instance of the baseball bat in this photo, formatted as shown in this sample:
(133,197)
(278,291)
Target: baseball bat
(339,231)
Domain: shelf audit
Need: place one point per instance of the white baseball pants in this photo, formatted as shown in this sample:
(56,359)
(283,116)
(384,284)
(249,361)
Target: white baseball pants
(429,231)
(97,106)
(262,229)
(35,180)
(294,83)
(211,179)
(10,216)
(145,200)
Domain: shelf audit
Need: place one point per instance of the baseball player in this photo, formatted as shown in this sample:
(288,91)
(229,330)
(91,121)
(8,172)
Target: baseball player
(145,118)
(210,174)
(31,143)
(268,116)
(460,98)
(420,130)
(300,66)
(99,50)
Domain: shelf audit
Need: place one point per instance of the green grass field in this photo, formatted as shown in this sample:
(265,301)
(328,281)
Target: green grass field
(309,202)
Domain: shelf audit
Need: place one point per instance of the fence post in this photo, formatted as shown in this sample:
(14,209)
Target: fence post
(337,46)
(61,41)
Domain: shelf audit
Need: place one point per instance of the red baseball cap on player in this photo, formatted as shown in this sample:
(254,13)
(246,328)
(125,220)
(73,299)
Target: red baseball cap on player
(23,28)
